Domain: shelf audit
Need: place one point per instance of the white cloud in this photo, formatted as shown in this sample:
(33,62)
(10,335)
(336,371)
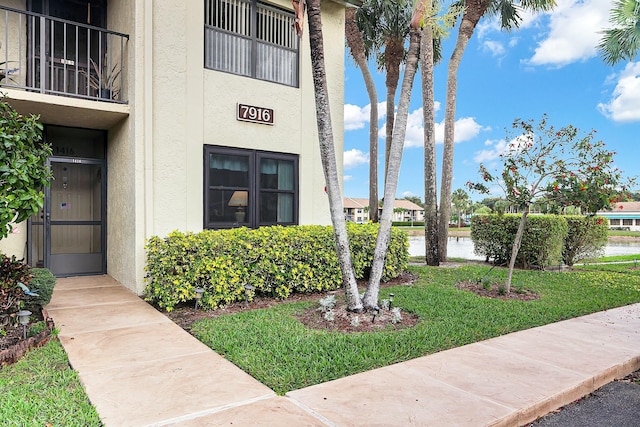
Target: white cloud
(624,105)
(415,129)
(496,148)
(356,117)
(494,47)
(492,153)
(353,158)
(347,177)
(466,128)
(408,194)
(574,32)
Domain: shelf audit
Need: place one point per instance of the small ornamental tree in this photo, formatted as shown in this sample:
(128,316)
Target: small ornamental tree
(560,165)
(23,169)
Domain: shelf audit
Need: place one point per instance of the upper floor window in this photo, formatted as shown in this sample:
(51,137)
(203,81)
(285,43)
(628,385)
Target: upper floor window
(252,39)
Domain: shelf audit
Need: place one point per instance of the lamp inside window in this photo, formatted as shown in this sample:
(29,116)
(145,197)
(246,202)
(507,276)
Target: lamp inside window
(239,199)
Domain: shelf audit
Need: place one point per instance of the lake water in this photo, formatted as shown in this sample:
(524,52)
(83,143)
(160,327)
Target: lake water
(462,247)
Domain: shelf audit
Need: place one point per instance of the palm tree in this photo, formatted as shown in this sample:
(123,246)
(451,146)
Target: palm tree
(622,42)
(370,300)
(385,24)
(508,11)
(356,45)
(327,149)
(432,31)
(460,200)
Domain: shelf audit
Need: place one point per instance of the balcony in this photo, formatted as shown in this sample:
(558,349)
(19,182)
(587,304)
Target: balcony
(46,55)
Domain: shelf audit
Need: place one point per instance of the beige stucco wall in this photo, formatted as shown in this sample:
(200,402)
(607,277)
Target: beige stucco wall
(11,56)
(16,242)
(124,243)
(155,154)
(193,106)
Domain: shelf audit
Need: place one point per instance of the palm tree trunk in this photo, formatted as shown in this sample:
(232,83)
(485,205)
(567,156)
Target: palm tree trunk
(464,34)
(391,184)
(393,53)
(516,247)
(356,45)
(430,185)
(328,156)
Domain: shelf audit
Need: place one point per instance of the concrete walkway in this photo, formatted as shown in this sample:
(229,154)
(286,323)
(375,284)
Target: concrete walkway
(140,369)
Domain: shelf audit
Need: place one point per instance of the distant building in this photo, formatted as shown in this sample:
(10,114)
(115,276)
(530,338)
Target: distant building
(357,210)
(624,215)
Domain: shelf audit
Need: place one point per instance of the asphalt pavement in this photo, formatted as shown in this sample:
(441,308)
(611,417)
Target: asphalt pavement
(616,404)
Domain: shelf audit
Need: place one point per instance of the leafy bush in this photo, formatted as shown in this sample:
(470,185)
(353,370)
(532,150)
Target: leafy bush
(542,242)
(275,260)
(587,238)
(24,169)
(12,272)
(42,283)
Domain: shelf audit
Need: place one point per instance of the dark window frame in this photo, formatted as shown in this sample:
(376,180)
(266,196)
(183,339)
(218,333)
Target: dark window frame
(252,211)
(257,28)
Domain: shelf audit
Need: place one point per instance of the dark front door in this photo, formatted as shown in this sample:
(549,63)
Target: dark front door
(68,235)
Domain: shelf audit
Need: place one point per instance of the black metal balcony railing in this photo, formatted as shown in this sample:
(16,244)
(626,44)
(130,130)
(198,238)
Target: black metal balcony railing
(55,56)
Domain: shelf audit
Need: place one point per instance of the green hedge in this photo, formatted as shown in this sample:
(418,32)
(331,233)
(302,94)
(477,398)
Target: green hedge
(275,260)
(542,242)
(42,282)
(586,239)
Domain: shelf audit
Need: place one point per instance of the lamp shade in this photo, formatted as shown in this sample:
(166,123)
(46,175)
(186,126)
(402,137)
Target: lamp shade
(239,198)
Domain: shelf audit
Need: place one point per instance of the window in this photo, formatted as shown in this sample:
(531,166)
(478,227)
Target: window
(249,188)
(251,39)
(627,222)
(614,222)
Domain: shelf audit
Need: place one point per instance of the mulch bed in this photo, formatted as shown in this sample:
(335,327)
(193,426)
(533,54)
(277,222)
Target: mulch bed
(515,294)
(12,344)
(184,316)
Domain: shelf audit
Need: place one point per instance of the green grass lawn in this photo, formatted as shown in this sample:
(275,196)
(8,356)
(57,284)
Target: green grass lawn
(41,389)
(624,233)
(614,258)
(279,351)
(626,268)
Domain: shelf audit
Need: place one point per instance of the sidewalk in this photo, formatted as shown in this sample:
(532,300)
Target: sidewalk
(139,369)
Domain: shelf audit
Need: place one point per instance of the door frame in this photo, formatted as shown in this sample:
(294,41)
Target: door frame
(47,223)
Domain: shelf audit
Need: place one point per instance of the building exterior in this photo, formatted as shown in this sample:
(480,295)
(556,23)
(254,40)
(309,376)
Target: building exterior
(623,216)
(166,115)
(357,210)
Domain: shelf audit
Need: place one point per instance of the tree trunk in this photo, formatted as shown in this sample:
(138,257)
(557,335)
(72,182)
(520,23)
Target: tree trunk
(328,156)
(356,45)
(393,54)
(473,12)
(430,185)
(516,247)
(391,184)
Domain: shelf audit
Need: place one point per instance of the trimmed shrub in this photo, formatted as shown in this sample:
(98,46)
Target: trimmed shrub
(542,242)
(587,238)
(276,261)
(42,282)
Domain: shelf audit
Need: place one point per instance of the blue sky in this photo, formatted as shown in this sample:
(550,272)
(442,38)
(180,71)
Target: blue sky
(550,65)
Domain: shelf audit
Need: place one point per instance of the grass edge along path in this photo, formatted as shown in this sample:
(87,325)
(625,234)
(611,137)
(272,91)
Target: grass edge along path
(41,389)
(275,348)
